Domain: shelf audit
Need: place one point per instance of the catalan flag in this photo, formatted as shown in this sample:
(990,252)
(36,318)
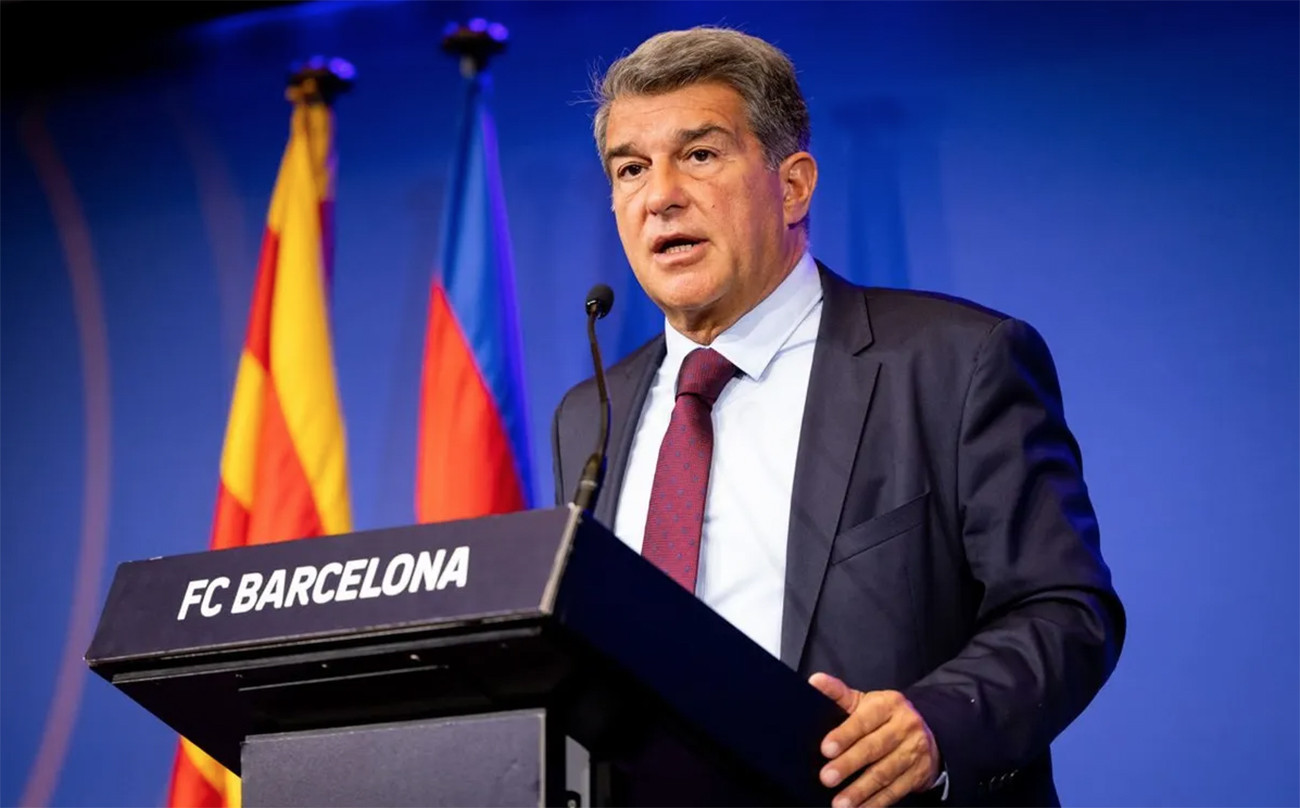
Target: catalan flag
(284,463)
(473,457)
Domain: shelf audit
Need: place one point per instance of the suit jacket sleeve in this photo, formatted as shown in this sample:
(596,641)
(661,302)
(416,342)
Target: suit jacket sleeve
(1049,625)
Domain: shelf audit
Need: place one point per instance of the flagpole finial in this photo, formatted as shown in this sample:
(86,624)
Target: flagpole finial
(475,42)
(319,80)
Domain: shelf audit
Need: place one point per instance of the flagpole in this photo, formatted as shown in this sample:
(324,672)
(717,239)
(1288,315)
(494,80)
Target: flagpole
(475,43)
(312,86)
(319,80)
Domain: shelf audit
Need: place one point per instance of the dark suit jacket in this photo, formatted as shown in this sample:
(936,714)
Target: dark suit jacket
(941,539)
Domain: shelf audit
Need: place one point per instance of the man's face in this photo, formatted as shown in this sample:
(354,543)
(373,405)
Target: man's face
(707,227)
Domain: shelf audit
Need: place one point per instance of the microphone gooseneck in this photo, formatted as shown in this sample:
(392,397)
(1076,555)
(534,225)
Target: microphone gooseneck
(599,301)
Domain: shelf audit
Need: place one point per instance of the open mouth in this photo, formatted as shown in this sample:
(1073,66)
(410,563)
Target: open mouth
(676,245)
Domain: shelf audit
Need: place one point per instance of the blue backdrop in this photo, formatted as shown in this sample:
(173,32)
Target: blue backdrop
(1123,176)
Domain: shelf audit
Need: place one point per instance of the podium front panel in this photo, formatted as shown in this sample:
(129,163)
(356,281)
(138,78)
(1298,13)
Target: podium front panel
(414,577)
(498,759)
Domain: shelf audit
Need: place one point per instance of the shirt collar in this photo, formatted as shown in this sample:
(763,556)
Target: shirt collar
(751,343)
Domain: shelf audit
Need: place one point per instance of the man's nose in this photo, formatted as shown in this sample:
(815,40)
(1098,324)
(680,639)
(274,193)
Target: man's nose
(665,192)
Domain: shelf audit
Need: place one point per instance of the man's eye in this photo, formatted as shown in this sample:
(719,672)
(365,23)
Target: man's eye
(629,171)
(701,155)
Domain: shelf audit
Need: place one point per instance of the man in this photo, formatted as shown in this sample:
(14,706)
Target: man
(877,486)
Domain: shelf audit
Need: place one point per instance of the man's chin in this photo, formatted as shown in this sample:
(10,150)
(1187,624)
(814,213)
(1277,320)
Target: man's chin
(689,314)
(692,301)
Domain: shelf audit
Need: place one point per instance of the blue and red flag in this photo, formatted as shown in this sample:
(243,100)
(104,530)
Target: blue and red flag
(473,458)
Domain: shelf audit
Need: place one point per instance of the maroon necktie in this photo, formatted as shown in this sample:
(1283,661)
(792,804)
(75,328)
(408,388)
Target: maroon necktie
(676,515)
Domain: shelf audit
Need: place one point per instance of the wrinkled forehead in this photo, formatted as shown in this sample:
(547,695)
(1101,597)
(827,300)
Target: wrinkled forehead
(661,120)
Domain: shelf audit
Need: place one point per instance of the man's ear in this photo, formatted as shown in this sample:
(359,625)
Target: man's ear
(798,181)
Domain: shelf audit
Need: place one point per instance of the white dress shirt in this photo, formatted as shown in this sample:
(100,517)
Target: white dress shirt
(756,425)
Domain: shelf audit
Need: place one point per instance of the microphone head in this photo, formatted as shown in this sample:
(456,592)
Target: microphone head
(600,300)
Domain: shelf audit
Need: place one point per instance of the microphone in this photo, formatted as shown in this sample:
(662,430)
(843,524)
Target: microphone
(599,301)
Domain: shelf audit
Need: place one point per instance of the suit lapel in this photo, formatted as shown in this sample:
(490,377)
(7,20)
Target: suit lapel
(839,395)
(629,381)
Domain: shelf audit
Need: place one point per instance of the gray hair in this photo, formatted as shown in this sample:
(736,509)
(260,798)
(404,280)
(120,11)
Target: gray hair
(762,75)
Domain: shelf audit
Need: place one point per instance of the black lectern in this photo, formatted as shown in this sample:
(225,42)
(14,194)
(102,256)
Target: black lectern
(445,665)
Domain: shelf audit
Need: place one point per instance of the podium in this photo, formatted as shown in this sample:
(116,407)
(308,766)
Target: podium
(447,664)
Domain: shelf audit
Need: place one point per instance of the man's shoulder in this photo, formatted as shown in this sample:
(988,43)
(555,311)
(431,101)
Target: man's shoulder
(945,328)
(924,309)
(907,314)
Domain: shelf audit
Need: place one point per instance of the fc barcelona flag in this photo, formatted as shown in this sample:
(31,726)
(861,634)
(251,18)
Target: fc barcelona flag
(473,457)
(284,462)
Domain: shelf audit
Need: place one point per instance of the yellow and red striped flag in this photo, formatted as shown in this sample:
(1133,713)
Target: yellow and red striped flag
(284,463)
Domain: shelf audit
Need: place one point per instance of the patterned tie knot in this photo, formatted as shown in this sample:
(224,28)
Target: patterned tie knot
(704,373)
